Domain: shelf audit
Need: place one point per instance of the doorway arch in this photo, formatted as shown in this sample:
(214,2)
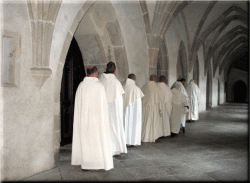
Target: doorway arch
(73,74)
(239,92)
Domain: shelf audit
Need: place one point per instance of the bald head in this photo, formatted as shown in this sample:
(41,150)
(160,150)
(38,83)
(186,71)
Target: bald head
(153,78)
(162,79)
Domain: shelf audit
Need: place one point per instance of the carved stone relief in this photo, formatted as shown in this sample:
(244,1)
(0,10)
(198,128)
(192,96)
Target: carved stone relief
(11,57)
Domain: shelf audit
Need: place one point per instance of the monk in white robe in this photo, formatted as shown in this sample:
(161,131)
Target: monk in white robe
(167,107)
(178,111)
(132,111)
(114,92)
(91,144)
(193,92)
(152,106)
(179,85)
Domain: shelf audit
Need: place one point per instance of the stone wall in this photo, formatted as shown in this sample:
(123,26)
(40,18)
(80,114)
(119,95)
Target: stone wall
(27,110)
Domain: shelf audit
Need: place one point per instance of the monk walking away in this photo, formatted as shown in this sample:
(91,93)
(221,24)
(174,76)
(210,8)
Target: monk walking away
(152,110)
(114,92)
(132,111)
(91,144)
(167,106)
(194,96)
(179,85)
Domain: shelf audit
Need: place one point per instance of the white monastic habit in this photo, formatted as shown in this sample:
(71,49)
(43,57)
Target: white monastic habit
(152,106)
(114,91)
(167,107)
(178,110)
(91,144)
(179,86)
(132,112)
(193,93)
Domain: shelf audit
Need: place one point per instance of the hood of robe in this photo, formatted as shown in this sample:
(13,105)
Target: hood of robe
(153,93)
(178,97)
(192,90)
(167,91)
(112,86)
(132,92)
(179,86)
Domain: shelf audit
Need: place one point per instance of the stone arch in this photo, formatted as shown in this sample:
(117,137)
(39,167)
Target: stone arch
(226,39)
(182,61)
(239,92)
(164,13)
(109,42)
(222,21)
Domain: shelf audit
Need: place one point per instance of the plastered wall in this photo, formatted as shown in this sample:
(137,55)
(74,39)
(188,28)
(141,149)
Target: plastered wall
(27,112)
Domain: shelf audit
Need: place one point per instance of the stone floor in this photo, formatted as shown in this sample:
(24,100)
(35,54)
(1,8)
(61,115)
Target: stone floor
(215,148)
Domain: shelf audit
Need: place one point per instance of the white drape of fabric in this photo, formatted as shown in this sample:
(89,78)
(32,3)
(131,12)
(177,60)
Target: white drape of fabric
(167,108)
(114,91)
(133,123)
(132,112)
(112,86)
(91,144)
(152,107)
(193,92)
(179,86)
(178,110)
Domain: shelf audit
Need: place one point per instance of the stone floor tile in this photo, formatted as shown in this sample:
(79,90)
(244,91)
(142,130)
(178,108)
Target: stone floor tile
(137,163)
(115,175)
(147,172)
(193,177)
(80,176)
(117,163)
(225,175)
(50,175)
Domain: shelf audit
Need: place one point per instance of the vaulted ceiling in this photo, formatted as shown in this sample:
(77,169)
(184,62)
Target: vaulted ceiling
(220,26)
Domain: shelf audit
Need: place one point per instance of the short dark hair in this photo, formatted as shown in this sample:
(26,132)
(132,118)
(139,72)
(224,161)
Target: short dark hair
(162,78)
(131,76)
(91,70)
(110,67)
(153,77)
(182,79)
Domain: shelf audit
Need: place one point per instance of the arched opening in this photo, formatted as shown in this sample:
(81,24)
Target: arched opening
(239,91)
(73,74)
(196,71)
(97,48)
